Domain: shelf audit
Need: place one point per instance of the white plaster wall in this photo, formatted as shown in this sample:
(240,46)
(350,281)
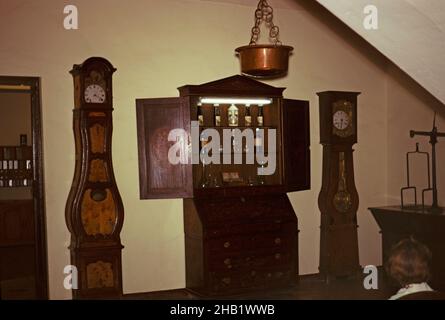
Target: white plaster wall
(158,46)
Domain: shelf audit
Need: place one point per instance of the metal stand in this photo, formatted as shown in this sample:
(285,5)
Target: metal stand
(409,186)
(434,134)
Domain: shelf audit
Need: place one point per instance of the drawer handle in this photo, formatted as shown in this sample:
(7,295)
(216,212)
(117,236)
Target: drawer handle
(226,281)
(277,241)
(253,273)
(227,261)
(279,274)
(226,244)
(278,256)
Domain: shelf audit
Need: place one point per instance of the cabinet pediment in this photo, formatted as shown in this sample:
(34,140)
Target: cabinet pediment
(235,85)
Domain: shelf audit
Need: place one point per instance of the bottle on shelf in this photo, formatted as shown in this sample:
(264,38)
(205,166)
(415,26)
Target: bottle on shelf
(216,182)
(217,116)
(261,178)
(251,180)
(208,177)
(203,183)
(233,116)
(247,117)
(259,140)
(204,142)
(200,115)
(260,117)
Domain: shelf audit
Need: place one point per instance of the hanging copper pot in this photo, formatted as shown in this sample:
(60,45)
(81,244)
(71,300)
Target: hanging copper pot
(264,61)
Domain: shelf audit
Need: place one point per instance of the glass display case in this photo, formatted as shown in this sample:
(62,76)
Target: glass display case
(232,148)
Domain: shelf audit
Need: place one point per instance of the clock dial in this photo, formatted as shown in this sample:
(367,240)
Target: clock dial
(341,120)
(94,94)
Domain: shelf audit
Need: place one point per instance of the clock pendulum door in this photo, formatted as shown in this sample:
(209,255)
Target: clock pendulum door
(338,199)
(94,211)
(342,199)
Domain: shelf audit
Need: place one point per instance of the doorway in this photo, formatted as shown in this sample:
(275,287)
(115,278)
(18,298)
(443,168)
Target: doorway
(23,247)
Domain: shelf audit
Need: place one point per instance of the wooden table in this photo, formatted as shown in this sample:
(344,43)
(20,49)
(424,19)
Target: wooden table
(396,224)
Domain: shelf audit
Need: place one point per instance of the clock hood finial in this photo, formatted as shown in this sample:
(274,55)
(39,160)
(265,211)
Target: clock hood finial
(91,62)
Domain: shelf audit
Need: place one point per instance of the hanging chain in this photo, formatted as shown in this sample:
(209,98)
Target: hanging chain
(265,12)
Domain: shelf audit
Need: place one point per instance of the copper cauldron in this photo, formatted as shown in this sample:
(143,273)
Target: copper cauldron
(264,61)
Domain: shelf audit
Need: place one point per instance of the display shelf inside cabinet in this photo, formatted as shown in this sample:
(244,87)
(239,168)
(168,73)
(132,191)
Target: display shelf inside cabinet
(241,232)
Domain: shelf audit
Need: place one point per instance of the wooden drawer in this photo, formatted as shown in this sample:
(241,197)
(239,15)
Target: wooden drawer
(237,209)
(249,260)
(248,242)
(274,240)
(246,228)
(224,283)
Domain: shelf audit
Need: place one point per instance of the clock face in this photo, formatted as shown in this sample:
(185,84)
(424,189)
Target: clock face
(94,93)
(341,120)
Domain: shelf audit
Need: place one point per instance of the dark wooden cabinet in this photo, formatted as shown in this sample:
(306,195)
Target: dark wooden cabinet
(236,244)
(241,232)
(18,273)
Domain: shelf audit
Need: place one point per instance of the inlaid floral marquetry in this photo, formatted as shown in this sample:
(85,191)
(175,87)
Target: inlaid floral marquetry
(98,217)
(98,171)
(97,138)
(100,275)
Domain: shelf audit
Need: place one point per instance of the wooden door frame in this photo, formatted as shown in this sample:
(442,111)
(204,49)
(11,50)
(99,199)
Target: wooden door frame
(41,266)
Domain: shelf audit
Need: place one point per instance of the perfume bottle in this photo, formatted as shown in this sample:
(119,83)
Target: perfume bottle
(233,116)
(203,183)
(216,182)
(247,117)
(259,138)
(261,178)
(251,180)
(260,118)
(204,142)
(200,115)
(217,116)
(209,179)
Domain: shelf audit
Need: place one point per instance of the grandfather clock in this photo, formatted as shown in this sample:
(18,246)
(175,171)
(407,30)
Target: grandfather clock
(338,199)
(94,211)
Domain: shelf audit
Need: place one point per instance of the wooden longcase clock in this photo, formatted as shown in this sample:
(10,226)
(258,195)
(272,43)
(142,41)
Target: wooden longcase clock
(338,199)
(94,210)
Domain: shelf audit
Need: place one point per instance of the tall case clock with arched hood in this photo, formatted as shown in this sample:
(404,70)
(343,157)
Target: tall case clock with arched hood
(94,211)
(338,199)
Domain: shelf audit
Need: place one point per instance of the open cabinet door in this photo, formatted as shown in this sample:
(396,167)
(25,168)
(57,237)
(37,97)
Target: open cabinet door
(296,145)
(158,177)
